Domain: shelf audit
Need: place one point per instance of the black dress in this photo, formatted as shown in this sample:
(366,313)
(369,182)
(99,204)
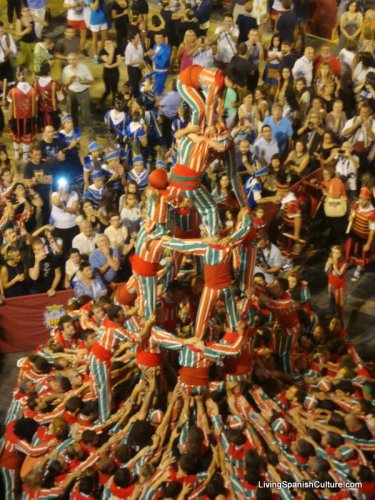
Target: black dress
(121,27)
(111,76)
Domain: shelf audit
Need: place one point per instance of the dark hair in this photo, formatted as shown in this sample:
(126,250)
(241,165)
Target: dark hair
(88,436)
(215,486)
(84,264)
(304,448)
(334,439)
(122,478)
(156,21)
(113,312)
(45,69)
(188,463)
(64,383)
(337,420)
(63,320)
(40,363)
(25,428)
(73,404)
(123,453)
(252,459)
(87,484)
(72,251)
(316,435)
(140,434)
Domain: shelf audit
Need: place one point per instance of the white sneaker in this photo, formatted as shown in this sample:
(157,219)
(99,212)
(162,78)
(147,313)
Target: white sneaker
(25,156)
(357,274)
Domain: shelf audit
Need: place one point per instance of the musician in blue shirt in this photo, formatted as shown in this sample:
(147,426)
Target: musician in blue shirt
(161,60)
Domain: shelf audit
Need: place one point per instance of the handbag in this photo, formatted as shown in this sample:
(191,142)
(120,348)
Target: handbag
(335,207)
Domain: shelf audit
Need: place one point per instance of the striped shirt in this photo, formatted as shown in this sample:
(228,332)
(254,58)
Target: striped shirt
(189,356)
(213,255)
(94,194)
(150,251)
(141,179)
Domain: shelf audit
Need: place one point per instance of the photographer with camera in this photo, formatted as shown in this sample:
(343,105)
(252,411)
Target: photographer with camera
(346,168)
(360,130)
(65,204)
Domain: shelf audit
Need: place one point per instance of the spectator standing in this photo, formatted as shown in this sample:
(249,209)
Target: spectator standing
(226,36)
(13,274)
(287,21)
(120,16)
(281,127)
(303,67)
(65,203)
(67,44)
(78,78)
(44,272)
(75,18)
(116,232)
(98,24)
(39,177)
(52,153)
(134,60)
(245,22)
(161,58)
(266,146)
(42,53)
(25,30)
(38,11)
(110,56)
(255,54)
(8,52)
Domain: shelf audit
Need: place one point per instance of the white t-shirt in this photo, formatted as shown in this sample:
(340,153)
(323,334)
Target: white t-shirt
(74,13)
(61,219)
(117,237)
(346,168)
(226,46)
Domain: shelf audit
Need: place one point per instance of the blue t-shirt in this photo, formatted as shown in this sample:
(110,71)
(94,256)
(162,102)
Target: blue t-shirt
(280,131)
(98,16)
(97,259)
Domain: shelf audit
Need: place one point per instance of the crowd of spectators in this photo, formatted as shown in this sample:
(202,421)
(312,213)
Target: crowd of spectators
(102,409)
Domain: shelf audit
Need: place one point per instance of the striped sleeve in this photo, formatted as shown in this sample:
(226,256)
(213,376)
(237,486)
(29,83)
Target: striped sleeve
(165,339)
(218,350)
(189,247)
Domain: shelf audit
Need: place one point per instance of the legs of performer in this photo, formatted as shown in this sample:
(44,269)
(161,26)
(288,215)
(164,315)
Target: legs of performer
(229,160)
(101,386)
(195,101)
(207,208)
(287,344)
(246,269)
(206,306)
(147,294)
(9,477)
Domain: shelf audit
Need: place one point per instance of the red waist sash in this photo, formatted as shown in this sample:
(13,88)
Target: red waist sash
(194,376)
(149,359)
(240,365)
(218,276)
(144,268)
(100,353)
(183,177)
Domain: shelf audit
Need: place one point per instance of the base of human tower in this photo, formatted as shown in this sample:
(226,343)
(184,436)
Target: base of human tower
(178,432)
